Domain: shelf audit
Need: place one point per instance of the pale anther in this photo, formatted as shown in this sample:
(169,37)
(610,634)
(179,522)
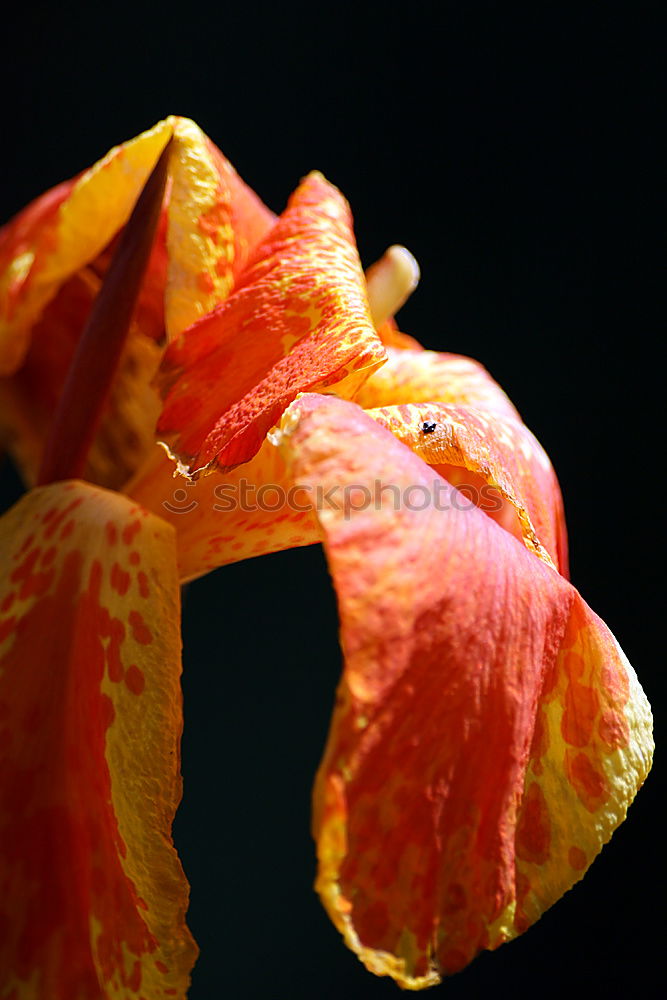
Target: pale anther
(391,281)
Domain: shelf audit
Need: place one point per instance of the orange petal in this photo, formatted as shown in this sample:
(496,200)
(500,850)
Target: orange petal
(391,336)
(224,517)
(92,895)
(64,230)
(29,398)
(298,319)
(53,255)
(433,833)
(102,342)
(27,238)
(500,453)
(214,222)
(430,377)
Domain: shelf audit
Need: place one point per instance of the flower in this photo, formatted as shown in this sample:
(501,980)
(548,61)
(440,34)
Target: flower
(489,734)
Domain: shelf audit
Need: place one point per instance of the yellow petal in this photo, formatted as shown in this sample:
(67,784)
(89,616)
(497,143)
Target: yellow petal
(95,207)
(214,221)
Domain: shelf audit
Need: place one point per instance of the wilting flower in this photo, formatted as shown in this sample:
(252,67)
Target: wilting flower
(489,734)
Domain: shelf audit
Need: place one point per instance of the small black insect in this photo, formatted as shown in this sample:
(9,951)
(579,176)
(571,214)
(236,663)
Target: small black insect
(428,428)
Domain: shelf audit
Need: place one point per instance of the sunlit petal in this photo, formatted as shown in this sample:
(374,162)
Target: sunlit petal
(68,227)
(215,220)
(298,319)
(448,812)
(591,746)
(56,252)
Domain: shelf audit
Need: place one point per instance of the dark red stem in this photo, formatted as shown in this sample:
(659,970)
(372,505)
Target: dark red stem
(101,345)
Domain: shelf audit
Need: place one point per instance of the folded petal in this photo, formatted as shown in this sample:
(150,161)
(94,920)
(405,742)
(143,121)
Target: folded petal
(298,320)
(92,895)
(416,376)
(54,255)
(488,735)
(591,746)
(64,230)
(221,517)
(480,455)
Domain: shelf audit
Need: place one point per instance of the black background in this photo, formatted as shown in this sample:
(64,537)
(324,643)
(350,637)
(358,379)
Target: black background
(512,149)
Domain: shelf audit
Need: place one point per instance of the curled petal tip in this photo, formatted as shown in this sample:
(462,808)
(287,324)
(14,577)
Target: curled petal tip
(391,281)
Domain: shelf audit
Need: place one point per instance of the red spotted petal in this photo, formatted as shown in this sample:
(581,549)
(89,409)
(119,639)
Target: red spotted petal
(591,745)
(495,462)
(92,895)
(488,735)
(224,517)
(297,320)
(215,220)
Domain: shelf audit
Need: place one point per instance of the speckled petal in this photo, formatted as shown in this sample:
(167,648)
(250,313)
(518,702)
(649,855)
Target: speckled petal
(62,231)
(215,220)
(591,746)
(53,257)
(416,376)
(495,462)
(298,319)
(437,836)
(92,895)
(224,517)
